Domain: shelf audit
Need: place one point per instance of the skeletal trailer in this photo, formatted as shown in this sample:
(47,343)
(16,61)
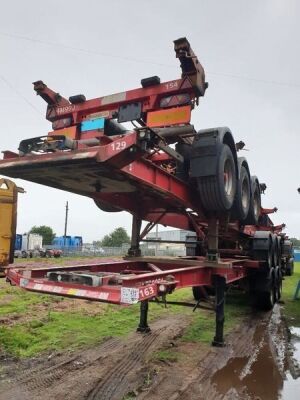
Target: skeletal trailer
(200,184)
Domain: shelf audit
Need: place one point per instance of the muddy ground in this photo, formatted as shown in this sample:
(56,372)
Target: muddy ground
(257,363)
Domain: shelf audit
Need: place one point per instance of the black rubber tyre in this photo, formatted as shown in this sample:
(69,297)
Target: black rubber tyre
(274,251)
(106,207)
(265,297)
(255,202)
(287,248)
(242,198)
(289,269)
(265,300)
(278,283)
(217,192)
(262,248)
(199,293)
(279,252)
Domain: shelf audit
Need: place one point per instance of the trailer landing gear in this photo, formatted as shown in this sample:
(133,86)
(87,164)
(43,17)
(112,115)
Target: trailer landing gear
(220,285)
(135,250)
(143,325)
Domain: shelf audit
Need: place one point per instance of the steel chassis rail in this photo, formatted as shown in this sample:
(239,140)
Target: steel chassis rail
(133,280)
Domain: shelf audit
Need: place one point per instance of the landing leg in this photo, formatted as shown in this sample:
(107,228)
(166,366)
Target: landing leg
(135,250)
(213,239)
(143,325)
(220,285)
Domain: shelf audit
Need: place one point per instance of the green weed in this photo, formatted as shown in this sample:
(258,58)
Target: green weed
(291,307)
(165,355)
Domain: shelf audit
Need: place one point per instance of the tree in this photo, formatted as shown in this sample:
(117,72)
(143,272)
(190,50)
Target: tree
(296,242)
(45,231)
(115,238)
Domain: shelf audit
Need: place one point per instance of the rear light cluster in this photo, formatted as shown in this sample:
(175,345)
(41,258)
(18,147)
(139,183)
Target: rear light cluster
(176,100)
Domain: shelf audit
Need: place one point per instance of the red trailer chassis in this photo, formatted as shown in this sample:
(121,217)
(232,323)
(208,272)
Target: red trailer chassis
(134,171)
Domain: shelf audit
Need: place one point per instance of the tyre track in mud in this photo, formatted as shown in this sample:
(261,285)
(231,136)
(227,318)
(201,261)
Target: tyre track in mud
(114,383)
(107,371)
(41,377)
(199,379)
(131,370)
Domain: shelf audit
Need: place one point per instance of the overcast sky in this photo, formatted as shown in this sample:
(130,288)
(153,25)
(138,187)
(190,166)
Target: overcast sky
(250,51)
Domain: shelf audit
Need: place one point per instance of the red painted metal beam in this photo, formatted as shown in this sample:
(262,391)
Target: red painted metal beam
(139,279)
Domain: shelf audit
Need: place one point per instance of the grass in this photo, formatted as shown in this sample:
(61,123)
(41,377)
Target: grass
(202,328)
(165,355)
(54,329)
(58,330)
(58,260)
(291,307)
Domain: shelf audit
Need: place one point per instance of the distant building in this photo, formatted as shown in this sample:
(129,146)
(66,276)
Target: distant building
(174,249)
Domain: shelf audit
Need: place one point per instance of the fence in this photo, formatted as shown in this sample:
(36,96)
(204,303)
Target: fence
(93,251)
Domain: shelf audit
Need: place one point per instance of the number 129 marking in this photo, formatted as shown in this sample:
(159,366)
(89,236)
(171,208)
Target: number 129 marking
(117,146)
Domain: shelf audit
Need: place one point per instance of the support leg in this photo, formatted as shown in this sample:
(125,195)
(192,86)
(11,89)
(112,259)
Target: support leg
(135,250)
(220,285)
(213,239)
(143,325)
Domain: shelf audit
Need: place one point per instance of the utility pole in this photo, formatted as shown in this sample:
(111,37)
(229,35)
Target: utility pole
(156,238)
(66,222)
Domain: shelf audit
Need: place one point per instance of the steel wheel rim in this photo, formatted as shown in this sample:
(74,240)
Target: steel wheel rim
(256,204)
(244,195)
(228,178)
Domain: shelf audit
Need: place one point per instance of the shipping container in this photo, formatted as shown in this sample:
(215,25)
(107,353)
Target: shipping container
(31,241)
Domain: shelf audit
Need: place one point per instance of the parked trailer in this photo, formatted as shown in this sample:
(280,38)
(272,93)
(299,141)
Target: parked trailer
(8,221)
(28,245)
(201,186)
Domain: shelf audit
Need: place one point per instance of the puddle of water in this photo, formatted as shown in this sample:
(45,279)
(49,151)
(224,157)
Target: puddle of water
(262,374)
(253,377)
(291,388)
(295,342)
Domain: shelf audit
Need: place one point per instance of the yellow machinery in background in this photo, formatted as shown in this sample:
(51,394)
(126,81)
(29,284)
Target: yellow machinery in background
(8,221)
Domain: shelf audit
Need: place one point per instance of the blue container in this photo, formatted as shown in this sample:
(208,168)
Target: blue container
(18,242)
(297,255)
(69,241)
(76,241)
(61,241)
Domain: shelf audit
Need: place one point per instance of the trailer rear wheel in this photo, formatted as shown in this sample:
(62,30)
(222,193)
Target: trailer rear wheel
(289,269)
(263,248)
(274,251)
(255,202)
(279,249)
(198,293)
(265,300)
(278,283)
(242,199)
(218,192)
(202,292)
(265,294)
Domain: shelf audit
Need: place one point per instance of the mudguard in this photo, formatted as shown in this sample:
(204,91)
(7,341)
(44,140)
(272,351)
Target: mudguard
(206,148)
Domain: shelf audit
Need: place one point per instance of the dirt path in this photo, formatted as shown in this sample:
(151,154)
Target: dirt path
(107,372)
(251,367)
